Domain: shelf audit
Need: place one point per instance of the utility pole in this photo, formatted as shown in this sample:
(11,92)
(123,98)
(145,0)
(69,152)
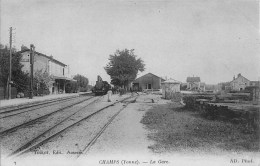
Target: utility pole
(32,49)
(10,66)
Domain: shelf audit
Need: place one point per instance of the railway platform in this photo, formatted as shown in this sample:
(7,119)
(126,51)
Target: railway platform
(36,99)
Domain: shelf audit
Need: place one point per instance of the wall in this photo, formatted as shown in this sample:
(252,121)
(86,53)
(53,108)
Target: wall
(26,61)
(57,69)
(40,62)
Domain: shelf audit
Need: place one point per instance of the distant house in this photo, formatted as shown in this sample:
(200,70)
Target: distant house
(148,81)
(58,70)
(239,83)
(194,84)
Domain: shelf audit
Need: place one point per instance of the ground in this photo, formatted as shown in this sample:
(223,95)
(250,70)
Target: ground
(185,131)
(154,131)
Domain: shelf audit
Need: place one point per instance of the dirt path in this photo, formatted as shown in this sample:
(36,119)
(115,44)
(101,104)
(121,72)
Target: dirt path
(125,138)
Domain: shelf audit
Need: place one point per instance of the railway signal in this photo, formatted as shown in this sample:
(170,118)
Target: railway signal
(32,50)
(10,66)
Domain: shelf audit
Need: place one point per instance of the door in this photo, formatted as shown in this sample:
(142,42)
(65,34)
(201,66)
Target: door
(136,86)
(149,86)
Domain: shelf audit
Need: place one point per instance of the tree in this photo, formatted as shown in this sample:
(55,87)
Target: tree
(71,87)
(82,82)
(123,67)
(42,82)
(20,79)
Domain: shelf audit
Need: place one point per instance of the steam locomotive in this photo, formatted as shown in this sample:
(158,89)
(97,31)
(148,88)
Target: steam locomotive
(101,87)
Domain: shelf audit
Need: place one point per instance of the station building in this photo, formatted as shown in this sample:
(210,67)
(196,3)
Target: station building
(56,69)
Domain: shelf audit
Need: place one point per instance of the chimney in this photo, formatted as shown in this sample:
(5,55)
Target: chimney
(234,78)
(239,75)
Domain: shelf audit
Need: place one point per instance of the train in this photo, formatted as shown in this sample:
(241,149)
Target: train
(101,87)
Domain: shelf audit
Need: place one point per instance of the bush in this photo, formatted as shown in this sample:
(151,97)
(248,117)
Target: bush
(189,101)
(41,91)
(82,82)
(71,87)
(174,96)
(42,81)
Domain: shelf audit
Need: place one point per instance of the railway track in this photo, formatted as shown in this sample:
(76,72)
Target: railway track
(46,136)
(32,121)
(94,139)
(12,112)
(7,109)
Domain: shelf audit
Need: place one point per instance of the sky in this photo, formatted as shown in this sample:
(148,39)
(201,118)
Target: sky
(212,39)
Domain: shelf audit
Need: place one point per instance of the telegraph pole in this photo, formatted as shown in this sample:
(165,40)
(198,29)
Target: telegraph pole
(32,49)
(10,66)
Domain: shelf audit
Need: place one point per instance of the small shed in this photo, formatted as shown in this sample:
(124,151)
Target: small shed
(170,88)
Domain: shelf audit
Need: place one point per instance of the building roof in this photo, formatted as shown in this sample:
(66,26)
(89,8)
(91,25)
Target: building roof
(193,79)
(49,57)
(64,78)
(239,75)
(146,75)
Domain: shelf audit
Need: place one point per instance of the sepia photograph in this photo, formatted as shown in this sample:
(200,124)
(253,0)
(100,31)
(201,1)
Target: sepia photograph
(129,83)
